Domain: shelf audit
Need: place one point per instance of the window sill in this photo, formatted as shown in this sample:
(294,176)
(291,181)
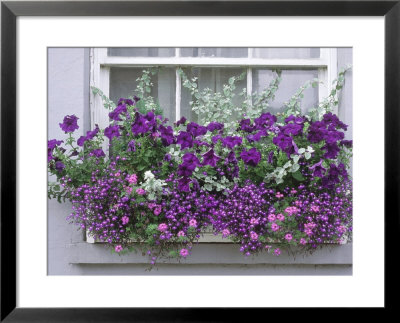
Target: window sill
(213,253)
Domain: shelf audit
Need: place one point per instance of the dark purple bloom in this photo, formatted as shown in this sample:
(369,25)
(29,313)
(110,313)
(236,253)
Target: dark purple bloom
(81,140)
(74,153)
(286,144)
(316,131)
(91,134)
(215,126)
(167,135)
(347,143)
(183,184)
(209,158)
(332,178)
(112,131)
(232,141)
(231,158)
(292,129)
(70,123)
(251,157)
(265,120)
(181,121)
(201,143)
(59,166)
(257,136)
(140,125)
(245,125)
(271,157)
(98,153)
(120,109)
(189,164)
(332,150)
(216,138)
(195,129)
(122,101)
(318,170)
(51,144)
(185,140)
(131,146)
(330,118)
(295,120)
(167,157)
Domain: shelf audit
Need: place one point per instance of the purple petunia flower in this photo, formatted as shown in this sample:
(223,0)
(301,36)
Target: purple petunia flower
(196,130)
(167,135)
(265,120)
(209,158)
(232,141)
(51,144)
(183,184)
(70,123)
(245,125)
(271,157)
(185,140)
(318,170)
(189,164)
(257,136)
(120,109)
(112,131)
(98,153)
(59,166)
(181,121)
(215,126)
(128,101)
(131,146)
(140,125)
(251,157)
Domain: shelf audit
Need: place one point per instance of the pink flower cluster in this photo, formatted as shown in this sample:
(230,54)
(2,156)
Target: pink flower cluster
(290,210)
(308,228)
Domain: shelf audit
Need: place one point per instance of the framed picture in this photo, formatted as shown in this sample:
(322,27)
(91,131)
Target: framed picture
(170,34)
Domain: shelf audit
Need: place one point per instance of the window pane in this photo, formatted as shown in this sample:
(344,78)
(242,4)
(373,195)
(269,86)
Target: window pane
(286,52)
(292,80)
(214,79)
(123,83)
(142,51)
(214,52)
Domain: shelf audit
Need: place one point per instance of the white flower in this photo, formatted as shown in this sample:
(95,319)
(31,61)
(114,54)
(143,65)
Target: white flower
(148,175)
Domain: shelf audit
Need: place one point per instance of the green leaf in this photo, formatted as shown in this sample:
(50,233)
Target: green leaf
(297,175)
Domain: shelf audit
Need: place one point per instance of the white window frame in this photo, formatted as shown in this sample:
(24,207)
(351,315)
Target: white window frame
(101,63)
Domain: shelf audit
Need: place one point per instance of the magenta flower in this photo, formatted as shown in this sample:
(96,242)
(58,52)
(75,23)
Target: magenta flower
(275,227)
(225,233)
(162,227)
(280,217)
(253,235)
(184,252)
(118,248)
(271,217)
(288,237)
(140,191)
(277,252)
(181,234)
(193,223)
(125,220)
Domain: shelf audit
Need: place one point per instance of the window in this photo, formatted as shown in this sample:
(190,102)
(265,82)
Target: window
(115,70)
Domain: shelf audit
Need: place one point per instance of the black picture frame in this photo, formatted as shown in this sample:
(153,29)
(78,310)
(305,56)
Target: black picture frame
(10,10)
